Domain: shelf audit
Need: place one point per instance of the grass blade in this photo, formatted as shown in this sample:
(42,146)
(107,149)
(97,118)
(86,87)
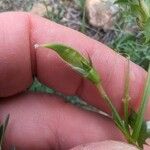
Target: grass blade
(140,114)
(126,97)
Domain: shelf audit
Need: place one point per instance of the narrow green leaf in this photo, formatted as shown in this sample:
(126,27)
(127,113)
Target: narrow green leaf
(126,97)
(140,113)
(144,132)
(146,29)
(84,67)
(142,135)
(115,115)
(144,6)
(132,118)
(76,61)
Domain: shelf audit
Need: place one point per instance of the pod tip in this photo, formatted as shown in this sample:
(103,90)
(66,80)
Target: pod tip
(36,46)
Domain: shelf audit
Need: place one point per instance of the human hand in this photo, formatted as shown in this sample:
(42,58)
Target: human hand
(41,121)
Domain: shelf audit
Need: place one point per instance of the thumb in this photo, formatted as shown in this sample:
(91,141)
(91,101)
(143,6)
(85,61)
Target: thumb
(105,145)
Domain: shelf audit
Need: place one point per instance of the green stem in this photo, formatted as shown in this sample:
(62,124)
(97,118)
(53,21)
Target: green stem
(83,19)
(144,8)
(116,116)
(127,98)
(140,114)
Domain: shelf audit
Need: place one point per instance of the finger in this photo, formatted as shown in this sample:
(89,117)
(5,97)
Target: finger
(53,72)
(42,121)
(15,59)
(106,145)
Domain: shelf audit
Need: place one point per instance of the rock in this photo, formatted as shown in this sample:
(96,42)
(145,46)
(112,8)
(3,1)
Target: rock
(38,9)
(102,13)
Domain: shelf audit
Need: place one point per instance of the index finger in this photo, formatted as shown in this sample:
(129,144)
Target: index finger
(50,70)
(110,65)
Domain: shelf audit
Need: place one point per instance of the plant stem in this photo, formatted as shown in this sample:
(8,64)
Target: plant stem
(140,114)
(126,98)
(83,19)
(116,115)
(144,8)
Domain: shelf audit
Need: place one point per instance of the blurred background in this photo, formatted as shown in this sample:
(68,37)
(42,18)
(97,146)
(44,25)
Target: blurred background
(102,20)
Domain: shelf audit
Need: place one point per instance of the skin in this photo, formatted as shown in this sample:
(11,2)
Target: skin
(105,145)
(40,121)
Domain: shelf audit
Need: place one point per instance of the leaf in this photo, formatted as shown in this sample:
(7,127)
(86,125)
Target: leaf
(143,135)
(145,7)
(144,132)
(146,31)
(136,10)
(76,61)
(115,115)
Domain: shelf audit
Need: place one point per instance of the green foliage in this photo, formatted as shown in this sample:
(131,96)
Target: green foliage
(140,113)
(140,9)
(76,61)
(81,4)
(38,87)
(144,133)
(134,46)
(147,30)
(133,126)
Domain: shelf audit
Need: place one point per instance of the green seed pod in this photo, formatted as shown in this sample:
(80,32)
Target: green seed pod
(76,61)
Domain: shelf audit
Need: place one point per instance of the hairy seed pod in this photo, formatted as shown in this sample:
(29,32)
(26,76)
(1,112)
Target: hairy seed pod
(76,61)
